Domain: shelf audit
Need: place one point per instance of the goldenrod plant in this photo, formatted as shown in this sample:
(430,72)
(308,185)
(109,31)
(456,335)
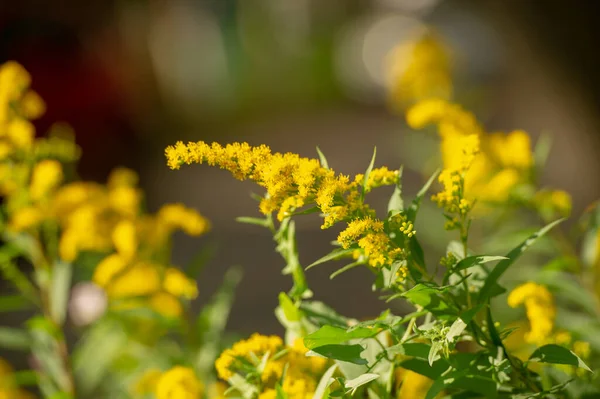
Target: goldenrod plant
(85,258)
(511,309)
(453,344)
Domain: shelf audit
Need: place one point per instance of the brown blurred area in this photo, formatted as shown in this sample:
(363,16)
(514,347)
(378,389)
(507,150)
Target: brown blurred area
(134,76)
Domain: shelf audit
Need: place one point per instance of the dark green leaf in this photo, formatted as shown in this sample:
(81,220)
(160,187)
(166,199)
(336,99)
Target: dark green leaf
(491,282)
(426,296)
(471,261)
(344,353)
(557,354)
(12,303)
(422,367)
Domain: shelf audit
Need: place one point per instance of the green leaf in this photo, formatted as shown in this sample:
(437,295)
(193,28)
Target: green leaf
(320,314)
(335,254)
(557,354)
(396,203)
(471,261)
(492,280)
(264,222)
(280,393)
(328,335)
(461,380)
(359,381)
(367,173)
(413,209)
(421,366)
(426,296)
(416,253)
(322,158)
(60,290)
(344,353)
(324,383)
(14,338)
(412,349)
(345,269)
(12,303)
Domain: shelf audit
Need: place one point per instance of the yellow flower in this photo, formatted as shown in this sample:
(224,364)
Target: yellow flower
(178,216)
(21,133)
(178,284)
(32,105)
(491,165)
(108,268)
(358,228)
(166,304)
(125,239)
(179,383)
(379,177)
(47,175)
(26,218)
(257,345)
(290,180)
(301,373)
(142,278)
(540,308)
(420,69)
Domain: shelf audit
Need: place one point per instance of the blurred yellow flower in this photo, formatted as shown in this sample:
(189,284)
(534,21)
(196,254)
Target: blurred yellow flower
(179,383)
(178,284)
(540,308)
(47,175)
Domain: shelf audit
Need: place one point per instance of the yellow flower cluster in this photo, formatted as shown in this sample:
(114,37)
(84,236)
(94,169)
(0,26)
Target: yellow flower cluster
(420,69)
(72,219)
(540,308)
(379,177)
(179,383)
(374,243)
(291,181)
(491,165)
(301,374)
(8,387)
(18,105)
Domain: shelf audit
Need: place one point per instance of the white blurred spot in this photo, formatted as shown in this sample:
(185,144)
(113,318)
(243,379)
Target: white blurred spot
(188,54)
(88,303)
(363,48)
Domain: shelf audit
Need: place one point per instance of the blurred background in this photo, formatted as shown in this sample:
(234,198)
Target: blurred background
(134,76)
